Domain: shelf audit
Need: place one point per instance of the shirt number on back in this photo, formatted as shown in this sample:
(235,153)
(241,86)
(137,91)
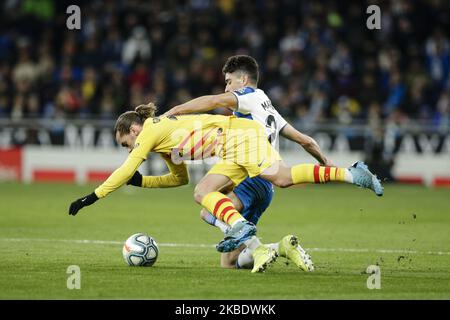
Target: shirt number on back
(271,123)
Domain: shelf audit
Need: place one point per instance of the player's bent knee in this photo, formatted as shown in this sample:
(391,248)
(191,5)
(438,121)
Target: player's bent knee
(200,191)
(198,195)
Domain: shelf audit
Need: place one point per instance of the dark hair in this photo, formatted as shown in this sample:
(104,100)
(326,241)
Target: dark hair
(242,63)
(138,116)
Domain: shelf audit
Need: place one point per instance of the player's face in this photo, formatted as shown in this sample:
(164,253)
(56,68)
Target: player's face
(128,140)
(234,81)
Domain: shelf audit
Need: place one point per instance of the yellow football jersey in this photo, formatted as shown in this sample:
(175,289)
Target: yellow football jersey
(241,144)
(184,137)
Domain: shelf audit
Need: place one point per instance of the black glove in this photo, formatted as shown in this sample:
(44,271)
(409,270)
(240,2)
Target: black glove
(82,202)
(136,179)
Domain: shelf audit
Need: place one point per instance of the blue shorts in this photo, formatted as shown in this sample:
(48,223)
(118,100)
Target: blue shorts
(255,195)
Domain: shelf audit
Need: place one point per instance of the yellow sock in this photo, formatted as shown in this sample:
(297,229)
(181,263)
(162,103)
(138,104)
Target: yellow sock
(304,173)
(221,207)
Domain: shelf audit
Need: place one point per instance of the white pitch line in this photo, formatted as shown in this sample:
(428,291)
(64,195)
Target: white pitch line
(85,241)
(379,251)
(192,245)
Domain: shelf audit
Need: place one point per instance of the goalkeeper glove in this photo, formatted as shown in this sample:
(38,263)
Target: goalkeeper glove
(136,179)
(82,202)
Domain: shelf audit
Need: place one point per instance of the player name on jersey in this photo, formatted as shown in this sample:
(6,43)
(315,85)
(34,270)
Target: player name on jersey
(255,104)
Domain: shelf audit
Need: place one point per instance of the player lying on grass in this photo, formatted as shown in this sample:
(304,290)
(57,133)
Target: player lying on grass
(253,195)
(243,150)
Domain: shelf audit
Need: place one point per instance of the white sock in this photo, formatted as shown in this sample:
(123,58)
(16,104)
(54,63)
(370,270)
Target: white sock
(221,225)
(212,220)
(274,246)
(252,243)
(245,259)
(348,176)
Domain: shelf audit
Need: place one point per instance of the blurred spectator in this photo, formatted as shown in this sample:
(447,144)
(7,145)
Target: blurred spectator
(395,95)
(25,70)
(90,55)
(341,61)
(140,76)
(345,109)
(438,57)
(318,60)
(442,116)
(68,100)
(45,65)
(107,104)
(137,46)
(112,46)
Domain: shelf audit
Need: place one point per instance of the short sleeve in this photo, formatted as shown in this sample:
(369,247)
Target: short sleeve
(244,98)
(281,122)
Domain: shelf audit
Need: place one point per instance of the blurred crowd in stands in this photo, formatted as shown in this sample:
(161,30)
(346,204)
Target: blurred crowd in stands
(318,60)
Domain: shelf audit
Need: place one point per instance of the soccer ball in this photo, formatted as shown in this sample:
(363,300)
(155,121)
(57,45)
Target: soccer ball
(140,250)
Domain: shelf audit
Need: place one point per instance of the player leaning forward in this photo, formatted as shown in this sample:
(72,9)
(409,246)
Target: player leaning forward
(243,150)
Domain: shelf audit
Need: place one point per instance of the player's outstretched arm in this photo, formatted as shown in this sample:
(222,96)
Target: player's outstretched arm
(118,178)
(144,144)
(178,175)
(204,104)
(308,143)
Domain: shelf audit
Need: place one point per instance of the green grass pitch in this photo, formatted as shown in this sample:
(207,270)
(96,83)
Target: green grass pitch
(406,232)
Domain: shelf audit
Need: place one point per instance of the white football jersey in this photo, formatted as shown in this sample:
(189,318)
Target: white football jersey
(255,104)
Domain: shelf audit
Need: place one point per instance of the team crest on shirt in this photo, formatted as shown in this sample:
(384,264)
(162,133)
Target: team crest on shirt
(244,91)
(156,119)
